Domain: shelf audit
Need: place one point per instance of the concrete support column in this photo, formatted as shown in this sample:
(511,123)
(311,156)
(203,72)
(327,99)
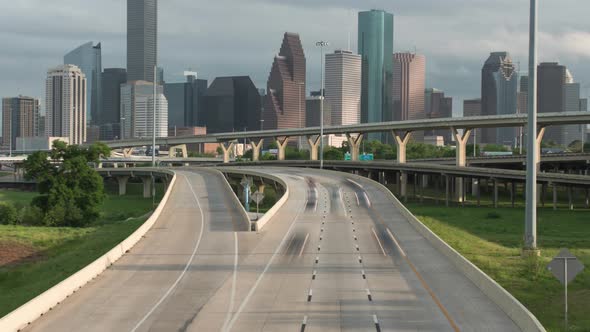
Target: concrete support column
(401,141)
(115,165)
(477,188)
(261,188)
(415,175)
(314,147)
(99,165)
(226,147)
(256,146)
(425,179)
(354,142)
(282,145)
(447,190)
(147,186)
(173,149)
(403,188)
(382,177)
(127,152)
(461,153)
(122,180)
(540,134)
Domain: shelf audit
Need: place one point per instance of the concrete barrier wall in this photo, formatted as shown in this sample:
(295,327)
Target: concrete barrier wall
(236,200)
(30,311)
(260,223)
(523,318)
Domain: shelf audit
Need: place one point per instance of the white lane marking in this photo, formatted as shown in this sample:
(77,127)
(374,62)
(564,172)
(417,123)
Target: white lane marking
(378,241)
(303,246)
(272,258)
(396,243)
(358,202)
(233,286)
(186,266)
(317,198)
(367,199)
(343,204)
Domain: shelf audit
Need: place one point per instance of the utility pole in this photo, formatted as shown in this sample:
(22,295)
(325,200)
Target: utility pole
(532,151)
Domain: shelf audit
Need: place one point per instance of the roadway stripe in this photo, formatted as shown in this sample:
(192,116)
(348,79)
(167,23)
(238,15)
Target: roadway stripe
(169,291)
(303,246)
(233,286)
(378,241)
(266,268)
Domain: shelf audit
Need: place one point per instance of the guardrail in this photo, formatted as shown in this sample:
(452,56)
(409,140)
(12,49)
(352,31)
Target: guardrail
(30,311)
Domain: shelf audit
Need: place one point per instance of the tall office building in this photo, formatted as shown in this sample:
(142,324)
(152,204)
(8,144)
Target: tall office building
(142,39)
(408,88)
(231,104)
(285,100)
(109,119)
(185,101)
(375,45)
(472,107)
(65,103)
(89,59)
(499,87)
(437,106)
(571,95)
(20,118)
(137,110)
(552,79)
(343,87)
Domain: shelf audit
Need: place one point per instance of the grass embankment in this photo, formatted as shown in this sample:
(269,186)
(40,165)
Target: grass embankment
(53,254)
(492,239)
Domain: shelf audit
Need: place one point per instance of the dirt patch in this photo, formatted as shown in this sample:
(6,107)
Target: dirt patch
(12,253)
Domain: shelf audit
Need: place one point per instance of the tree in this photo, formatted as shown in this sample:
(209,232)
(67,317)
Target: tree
(71,192)
(331,153)
(8,214)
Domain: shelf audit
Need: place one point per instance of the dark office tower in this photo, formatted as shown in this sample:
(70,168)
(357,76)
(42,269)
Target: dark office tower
(20,118)
(185,101)
(109,119)
(285,99)
(89,59)
(313,111)
(375,45)
(472,107)
(437,106)
(499,86)
(142,39)
(232,104)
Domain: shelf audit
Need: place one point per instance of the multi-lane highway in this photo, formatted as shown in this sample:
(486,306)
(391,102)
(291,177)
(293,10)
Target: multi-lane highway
(338,256)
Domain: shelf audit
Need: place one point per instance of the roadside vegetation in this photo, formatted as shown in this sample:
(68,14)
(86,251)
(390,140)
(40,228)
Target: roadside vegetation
(493,238)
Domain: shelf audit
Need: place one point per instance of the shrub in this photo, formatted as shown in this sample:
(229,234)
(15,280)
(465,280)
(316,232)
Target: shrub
(8,214)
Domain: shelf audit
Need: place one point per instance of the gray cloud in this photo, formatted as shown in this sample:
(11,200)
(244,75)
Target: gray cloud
(238,37)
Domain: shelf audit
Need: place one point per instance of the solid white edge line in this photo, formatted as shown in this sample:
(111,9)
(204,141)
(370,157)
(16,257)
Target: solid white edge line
(303,247)
(396,243)
(233,287)
(272,258)
(358,202)
(187,264)
(378,241)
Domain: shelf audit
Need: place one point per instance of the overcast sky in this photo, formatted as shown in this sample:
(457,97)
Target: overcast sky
(240,37)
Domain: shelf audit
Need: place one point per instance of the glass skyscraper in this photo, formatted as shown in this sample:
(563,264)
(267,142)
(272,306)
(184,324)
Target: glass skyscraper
(375,45)
(142,39)
(89,59)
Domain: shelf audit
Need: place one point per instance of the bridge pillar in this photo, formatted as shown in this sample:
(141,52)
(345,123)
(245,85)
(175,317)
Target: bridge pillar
(314,144)
(147,186)
(226,147)
(461,152)
(128,152)
(99,165)
(403,191)
(122,180)
(401,140)
(447,189)
(355,145)
(425,179)
(256,146)
(540,135)
(282,144)
(173,149)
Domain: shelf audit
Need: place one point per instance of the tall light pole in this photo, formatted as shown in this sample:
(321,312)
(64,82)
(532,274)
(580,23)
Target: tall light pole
(154,117)
(321,44)
(530,234)
(300,116)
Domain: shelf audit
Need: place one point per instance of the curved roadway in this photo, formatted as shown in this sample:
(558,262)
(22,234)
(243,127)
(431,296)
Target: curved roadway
(338,256)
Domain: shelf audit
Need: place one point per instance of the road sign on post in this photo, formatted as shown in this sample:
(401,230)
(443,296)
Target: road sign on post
(565,267)
(246,184)
(257,198)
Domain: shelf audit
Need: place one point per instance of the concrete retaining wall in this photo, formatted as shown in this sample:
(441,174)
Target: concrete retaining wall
(260,223)
(30,311)
(523,318)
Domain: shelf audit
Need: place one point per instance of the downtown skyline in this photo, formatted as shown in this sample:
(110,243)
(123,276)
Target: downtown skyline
(207,44)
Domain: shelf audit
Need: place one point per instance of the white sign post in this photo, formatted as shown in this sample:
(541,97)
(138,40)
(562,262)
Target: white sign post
(565,267)
(257,197)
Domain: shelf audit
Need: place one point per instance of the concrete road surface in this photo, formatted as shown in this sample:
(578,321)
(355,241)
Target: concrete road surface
(338,256)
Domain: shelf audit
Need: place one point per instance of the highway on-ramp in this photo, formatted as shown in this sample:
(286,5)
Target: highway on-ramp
(338,256)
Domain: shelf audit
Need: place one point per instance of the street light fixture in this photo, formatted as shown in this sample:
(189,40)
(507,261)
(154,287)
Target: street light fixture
(530,237)
(321,45)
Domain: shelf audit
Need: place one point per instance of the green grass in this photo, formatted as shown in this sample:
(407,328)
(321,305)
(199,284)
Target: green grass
(63,251)
(492,239)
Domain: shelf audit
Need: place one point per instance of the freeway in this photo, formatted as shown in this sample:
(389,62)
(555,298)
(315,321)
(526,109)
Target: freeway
(338,256)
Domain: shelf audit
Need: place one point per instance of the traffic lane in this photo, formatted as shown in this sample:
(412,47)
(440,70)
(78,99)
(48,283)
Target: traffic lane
(119,297)
(466,305)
